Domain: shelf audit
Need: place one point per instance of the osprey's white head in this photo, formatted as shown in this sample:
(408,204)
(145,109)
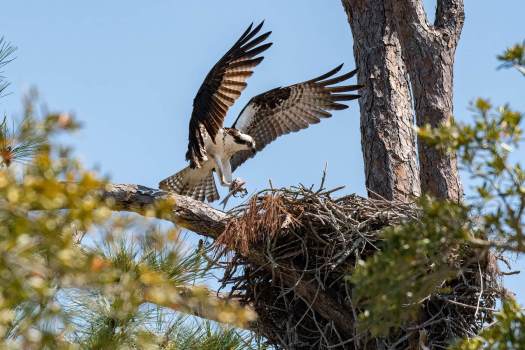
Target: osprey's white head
(236,141)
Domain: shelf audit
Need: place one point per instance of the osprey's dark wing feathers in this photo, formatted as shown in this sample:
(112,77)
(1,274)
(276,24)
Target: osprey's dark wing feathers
(221,87)
(289,109)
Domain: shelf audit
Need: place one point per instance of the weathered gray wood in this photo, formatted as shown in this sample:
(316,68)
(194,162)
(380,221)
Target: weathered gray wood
(186,212)
(387,135)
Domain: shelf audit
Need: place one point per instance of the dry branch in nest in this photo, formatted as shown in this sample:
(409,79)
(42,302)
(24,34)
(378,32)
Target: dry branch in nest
(307,243)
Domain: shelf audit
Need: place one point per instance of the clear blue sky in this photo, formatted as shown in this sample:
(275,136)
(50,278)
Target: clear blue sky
(130,69)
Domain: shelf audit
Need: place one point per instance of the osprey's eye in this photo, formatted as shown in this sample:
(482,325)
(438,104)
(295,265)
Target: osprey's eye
(242,140)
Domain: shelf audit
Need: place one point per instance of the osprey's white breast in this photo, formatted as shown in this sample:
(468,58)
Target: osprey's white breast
(224,146)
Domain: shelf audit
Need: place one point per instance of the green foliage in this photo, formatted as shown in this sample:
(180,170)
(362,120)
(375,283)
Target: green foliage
(6,51)
(43,261)
(485,149)
(414,260)
(147,328)
(206,336)
(514,57)
(56,292)
(21,143)
(37,249)
(506,333)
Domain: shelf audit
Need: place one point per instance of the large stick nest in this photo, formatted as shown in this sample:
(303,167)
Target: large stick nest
(308,234)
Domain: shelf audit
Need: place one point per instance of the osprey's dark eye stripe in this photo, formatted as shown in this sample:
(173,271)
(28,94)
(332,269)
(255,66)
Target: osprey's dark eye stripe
(241,141)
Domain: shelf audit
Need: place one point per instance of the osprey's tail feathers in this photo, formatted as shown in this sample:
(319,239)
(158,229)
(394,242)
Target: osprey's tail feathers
(190,182)
(211,189)
(204,189)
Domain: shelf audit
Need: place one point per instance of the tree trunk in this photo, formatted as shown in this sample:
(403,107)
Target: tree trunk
(396,49)
(428,52)
(387,135)
(393,38)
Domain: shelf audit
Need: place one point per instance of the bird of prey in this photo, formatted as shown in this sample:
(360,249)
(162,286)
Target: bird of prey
(215,148)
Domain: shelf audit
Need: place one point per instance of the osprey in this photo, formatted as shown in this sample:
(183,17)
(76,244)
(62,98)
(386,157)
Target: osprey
(215,148)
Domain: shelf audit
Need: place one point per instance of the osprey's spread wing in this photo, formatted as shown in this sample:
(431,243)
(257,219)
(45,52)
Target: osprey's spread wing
(289,109)
(221,87)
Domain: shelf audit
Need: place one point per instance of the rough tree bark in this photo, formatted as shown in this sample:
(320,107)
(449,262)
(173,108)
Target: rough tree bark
(387,136)
(186,212)
(396,49)
(395,45)
(428,51)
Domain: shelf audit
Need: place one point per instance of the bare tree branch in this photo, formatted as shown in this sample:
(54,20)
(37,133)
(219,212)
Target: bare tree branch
(198,302)
(186,212)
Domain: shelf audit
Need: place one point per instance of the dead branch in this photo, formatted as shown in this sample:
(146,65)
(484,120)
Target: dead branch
(187,213)
(203,303)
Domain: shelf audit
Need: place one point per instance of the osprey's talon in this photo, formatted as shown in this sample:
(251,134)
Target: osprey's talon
(241,192)
(237,188)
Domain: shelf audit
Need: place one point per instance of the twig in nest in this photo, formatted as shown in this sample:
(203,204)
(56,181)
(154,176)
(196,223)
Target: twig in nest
(264,217)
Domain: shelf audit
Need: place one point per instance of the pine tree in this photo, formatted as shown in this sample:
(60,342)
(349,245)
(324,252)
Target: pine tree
(301,269)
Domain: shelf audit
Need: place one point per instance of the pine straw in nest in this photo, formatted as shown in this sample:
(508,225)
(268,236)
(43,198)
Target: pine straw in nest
(321,239)
(247,230)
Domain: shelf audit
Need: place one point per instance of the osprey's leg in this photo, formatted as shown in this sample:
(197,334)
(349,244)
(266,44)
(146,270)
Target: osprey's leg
(227,171)
(224,171)
(236,186)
